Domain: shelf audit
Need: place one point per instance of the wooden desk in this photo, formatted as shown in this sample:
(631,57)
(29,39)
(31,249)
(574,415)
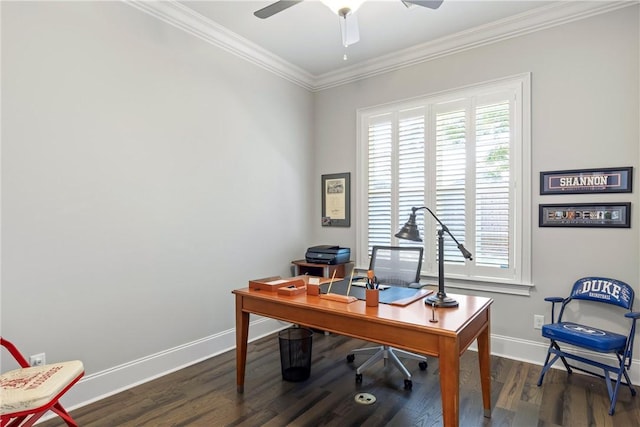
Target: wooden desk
(402,327)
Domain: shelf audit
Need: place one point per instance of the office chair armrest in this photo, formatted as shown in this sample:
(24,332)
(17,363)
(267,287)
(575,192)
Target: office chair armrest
(633,315)
(415,285)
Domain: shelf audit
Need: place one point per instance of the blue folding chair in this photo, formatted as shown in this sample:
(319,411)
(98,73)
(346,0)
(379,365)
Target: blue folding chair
(594,290)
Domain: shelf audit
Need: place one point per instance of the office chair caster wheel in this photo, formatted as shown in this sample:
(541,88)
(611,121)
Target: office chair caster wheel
(350,358)
(423,366)
(358,378)
(408,384)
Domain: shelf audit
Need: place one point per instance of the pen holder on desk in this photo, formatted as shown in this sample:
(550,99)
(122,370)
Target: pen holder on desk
(372,297)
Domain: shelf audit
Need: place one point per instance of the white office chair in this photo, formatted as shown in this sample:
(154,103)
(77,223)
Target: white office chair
(400,266)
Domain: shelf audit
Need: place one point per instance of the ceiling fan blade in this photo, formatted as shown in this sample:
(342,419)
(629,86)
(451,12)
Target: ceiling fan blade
(274,8)
(431,4)
(349,29)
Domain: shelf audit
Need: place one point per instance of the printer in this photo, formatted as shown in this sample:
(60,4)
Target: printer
(328,254)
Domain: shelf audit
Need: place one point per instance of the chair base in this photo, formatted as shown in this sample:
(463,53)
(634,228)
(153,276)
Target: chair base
(612,389)
(29,420)
(387,353)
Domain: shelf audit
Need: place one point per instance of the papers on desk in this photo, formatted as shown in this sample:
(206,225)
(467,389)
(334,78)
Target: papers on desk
(388,294)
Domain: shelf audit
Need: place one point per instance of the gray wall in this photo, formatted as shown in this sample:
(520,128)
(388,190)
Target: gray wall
(585,111)
(145,175)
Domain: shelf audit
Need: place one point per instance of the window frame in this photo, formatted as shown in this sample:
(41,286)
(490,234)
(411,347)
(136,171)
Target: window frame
(520,166)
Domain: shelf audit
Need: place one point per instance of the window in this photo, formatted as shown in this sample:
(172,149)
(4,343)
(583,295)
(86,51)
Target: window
(464,154)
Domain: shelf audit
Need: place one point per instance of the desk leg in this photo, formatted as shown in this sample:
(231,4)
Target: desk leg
(242,336)
(484,357)
(450,381)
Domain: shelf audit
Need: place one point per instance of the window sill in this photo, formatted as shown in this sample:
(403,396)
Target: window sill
(521,289)
(510,288)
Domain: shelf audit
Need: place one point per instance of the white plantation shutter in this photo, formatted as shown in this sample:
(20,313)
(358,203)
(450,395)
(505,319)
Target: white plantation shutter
(458,157)
(396,172)
(492,198)
(411,166)
(451,169)
(379,181)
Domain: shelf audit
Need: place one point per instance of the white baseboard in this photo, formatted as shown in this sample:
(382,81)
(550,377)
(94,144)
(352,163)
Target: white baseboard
(99,385)
(535,352)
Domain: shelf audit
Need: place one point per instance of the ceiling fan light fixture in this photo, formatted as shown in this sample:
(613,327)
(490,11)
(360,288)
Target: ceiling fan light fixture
(343,7)
(349,29)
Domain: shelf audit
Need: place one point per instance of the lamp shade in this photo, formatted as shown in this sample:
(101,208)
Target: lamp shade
(410,230)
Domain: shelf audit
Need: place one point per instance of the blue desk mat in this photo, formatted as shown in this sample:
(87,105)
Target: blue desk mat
(387,296)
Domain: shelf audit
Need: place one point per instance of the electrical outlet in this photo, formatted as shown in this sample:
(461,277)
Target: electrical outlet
(37,359)
(538,321)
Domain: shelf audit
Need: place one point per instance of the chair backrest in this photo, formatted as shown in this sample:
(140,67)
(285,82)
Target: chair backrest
(397,265)
(602,289)
(13,350)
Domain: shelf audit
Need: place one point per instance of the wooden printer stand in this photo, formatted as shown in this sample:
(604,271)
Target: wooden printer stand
(302,267)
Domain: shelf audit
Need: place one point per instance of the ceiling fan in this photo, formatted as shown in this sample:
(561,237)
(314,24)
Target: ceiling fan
(345,9)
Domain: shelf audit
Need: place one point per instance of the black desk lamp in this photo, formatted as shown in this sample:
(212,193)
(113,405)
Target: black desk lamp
(410,232)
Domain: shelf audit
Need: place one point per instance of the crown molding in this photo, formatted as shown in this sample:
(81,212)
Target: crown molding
(188,20)
(528,22)
(180,16)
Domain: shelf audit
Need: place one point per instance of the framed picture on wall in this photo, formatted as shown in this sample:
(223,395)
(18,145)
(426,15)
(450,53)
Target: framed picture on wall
(581,181)
(610,215)
(336,200)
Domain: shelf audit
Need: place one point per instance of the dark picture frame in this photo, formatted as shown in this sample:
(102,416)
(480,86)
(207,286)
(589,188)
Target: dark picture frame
(607,215)
(336,200)
(583,181)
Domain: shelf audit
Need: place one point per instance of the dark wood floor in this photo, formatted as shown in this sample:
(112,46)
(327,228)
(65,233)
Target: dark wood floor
(205,395)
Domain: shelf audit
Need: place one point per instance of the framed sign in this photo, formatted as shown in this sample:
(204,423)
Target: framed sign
(611,215)
(581,181)
(336,200)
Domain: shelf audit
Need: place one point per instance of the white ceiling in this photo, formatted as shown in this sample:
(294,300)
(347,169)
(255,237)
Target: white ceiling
(303,43)
(308,33)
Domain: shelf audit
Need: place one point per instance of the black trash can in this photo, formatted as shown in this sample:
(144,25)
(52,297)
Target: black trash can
(295,353)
